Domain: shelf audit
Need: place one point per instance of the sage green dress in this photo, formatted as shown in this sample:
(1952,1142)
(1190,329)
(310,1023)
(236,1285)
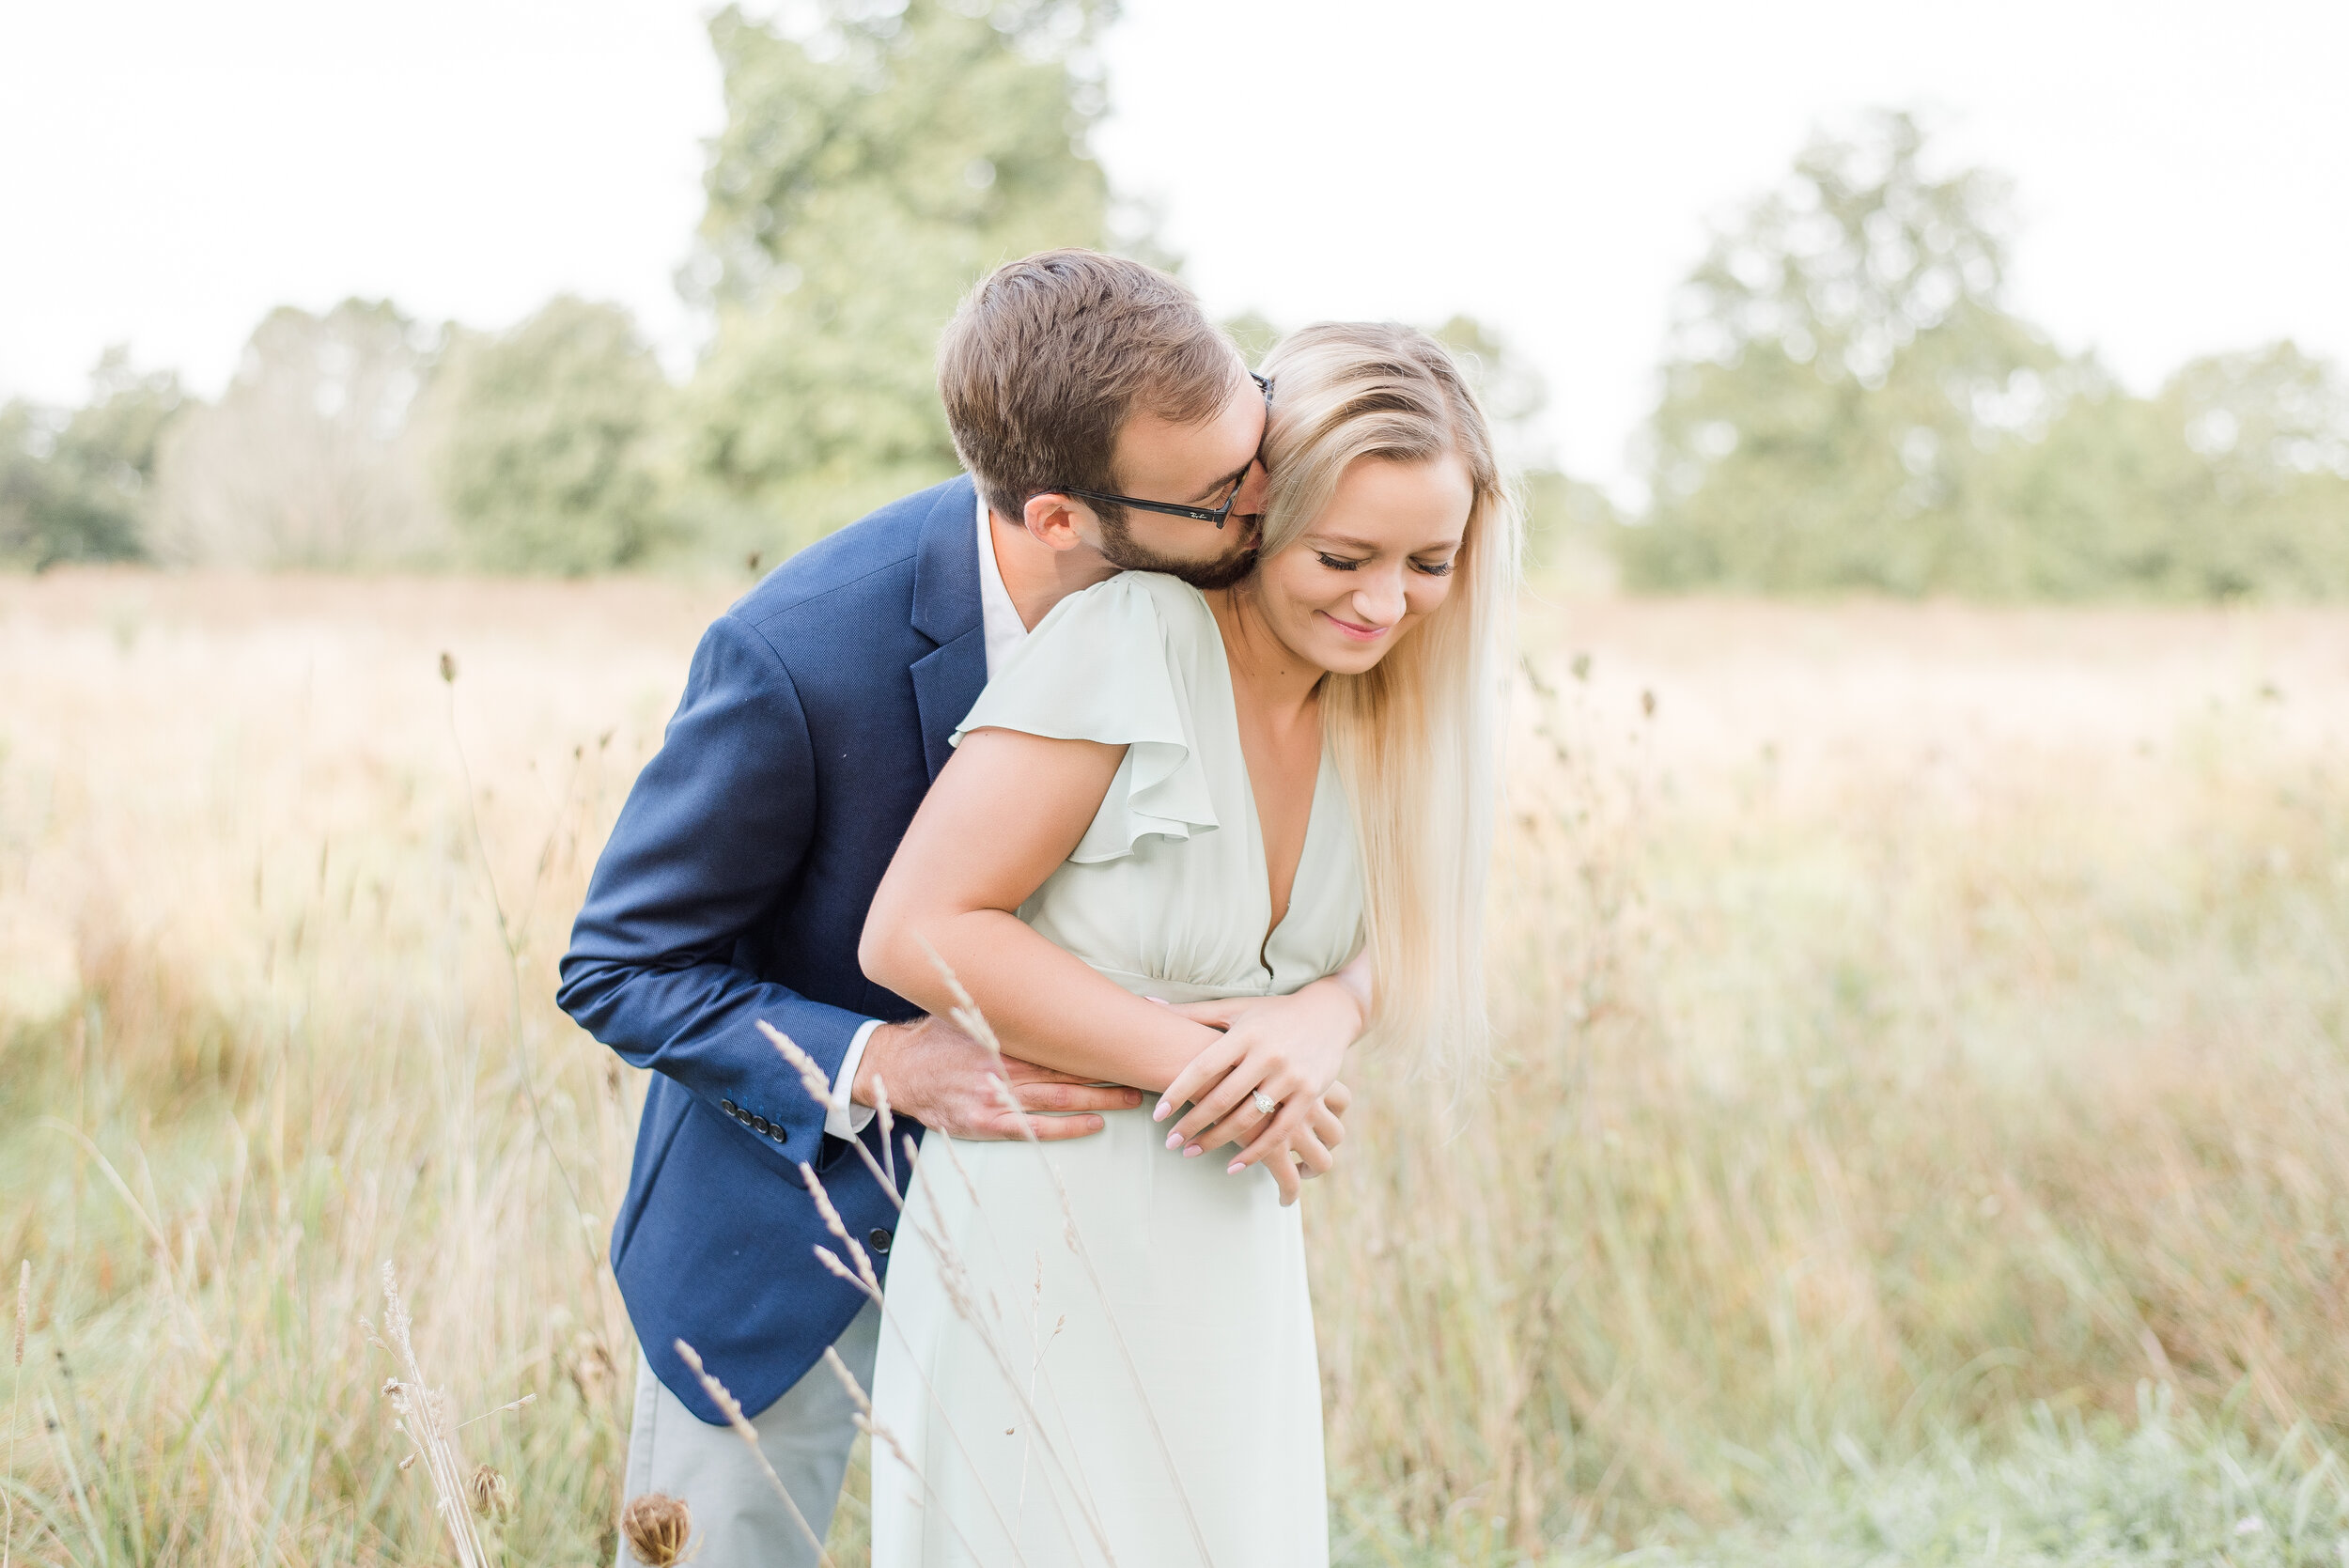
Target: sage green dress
(1099,1352)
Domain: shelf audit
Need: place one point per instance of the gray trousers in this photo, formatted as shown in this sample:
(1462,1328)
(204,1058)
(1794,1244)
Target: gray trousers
(738,1521)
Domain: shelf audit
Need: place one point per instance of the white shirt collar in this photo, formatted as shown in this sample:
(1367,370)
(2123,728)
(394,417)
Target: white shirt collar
(998,616)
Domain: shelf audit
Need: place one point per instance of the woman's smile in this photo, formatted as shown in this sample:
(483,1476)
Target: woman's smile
(1359,632)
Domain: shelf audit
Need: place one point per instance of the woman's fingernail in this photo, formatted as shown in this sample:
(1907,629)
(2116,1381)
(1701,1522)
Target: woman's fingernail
(1193,1151)
(1159,1114)
(1173,1140)
(1236,1168)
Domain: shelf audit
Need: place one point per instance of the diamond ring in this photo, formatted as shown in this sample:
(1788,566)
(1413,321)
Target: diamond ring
(1265,1104)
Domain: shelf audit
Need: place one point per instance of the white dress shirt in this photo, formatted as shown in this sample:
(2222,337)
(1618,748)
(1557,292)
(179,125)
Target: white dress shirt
(1003,629)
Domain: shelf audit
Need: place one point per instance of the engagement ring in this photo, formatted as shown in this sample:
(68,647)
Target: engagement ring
(1265,1104)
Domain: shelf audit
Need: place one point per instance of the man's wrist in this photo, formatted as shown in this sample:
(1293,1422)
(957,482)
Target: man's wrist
(880,1042)
(847,1115)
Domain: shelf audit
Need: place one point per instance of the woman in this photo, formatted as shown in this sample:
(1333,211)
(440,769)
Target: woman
(1103,1352)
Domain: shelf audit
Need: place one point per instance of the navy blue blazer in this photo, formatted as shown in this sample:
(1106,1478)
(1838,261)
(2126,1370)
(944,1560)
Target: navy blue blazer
(734,889)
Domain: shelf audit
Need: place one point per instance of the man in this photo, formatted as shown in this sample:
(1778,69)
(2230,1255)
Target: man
(1107,425)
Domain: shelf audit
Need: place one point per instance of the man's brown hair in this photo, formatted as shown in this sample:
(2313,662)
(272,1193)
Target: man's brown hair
(1052,354)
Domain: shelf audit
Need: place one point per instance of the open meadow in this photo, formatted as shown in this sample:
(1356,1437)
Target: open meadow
(1920,1134)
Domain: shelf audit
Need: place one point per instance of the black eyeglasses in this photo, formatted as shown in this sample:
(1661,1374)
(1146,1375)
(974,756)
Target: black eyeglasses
(1196,514)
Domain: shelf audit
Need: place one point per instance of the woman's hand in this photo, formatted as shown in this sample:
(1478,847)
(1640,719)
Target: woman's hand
(1288,1049)
(1311,1152)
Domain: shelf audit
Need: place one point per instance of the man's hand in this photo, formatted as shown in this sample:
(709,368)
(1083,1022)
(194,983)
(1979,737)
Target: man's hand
(1288,1049)
(946,1081)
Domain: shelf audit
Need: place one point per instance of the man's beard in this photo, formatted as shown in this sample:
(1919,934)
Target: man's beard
(1119,550)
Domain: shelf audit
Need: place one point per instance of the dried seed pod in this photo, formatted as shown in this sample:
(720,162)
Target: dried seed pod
(491,1499)
(590,1366)
(655,1528)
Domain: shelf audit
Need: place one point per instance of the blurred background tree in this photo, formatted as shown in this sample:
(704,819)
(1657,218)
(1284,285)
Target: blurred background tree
(875,164)
(1843,356)
(78,486)
(544,439)
(309,459)
(1849,403)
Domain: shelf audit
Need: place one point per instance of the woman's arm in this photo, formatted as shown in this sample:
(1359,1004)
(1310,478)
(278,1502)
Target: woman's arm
(1005,811)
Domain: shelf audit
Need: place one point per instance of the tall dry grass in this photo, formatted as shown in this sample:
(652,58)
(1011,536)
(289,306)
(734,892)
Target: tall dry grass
(1918,1015)
(1914,1017)
(260,1039)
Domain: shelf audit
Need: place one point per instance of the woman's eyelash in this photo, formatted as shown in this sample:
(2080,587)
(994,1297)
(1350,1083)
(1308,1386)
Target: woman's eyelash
(1431,569)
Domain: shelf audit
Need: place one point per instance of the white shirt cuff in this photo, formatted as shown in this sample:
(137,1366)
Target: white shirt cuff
(845,1119)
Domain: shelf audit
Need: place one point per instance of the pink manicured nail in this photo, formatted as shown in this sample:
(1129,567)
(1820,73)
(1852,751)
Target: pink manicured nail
(1159,1114)
(1193,1151)
(1234,1168)
(1173,1140)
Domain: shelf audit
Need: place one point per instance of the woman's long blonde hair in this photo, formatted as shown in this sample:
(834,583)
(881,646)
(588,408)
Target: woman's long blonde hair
(1417,737)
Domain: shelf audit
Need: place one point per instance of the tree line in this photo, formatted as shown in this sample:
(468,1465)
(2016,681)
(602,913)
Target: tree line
(1847,400)
(1850,403)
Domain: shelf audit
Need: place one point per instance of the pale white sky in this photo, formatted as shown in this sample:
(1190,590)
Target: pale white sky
(175,170)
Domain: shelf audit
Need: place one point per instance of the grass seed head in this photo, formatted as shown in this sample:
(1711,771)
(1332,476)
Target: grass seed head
(591,1368)
(655,1528)
(812,1077)
(489,1493)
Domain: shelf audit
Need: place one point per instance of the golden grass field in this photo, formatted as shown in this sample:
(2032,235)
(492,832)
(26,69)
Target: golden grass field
(1921,1131)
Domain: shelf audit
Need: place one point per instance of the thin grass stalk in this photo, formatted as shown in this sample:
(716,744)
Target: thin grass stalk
(954,1274)
(819,1088)
(968,1017)
(873,1428)
(867,1280)
(16,1397)
(732,1409)
(424,1420)
(513,964)
(864,1279)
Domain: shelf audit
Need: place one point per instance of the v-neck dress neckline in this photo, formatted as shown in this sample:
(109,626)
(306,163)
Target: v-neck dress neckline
(1326,783)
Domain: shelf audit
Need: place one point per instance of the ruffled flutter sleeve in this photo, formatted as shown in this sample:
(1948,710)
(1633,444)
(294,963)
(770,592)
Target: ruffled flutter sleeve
(1106,665)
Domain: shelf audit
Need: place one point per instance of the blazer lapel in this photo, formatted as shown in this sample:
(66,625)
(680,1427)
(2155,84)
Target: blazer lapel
(945,683)
(946,611)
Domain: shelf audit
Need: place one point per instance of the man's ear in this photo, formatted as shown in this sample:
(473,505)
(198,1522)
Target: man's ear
(1059,522)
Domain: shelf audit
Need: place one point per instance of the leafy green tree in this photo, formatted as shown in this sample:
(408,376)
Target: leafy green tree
(309,457)
(871,169)
(2271,428)
(76,486)
(1848,404)
(1843,359)
(544,441)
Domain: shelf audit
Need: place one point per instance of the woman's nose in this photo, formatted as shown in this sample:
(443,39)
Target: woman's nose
(1380,600)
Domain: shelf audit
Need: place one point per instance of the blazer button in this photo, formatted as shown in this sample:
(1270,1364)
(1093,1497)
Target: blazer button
(726,1106)
(763,1124)
(880,1240)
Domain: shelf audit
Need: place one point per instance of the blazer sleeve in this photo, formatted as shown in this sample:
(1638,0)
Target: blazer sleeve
(713,832)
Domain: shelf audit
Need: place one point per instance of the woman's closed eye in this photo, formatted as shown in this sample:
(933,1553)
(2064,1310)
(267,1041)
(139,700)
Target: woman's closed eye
(1339,563)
